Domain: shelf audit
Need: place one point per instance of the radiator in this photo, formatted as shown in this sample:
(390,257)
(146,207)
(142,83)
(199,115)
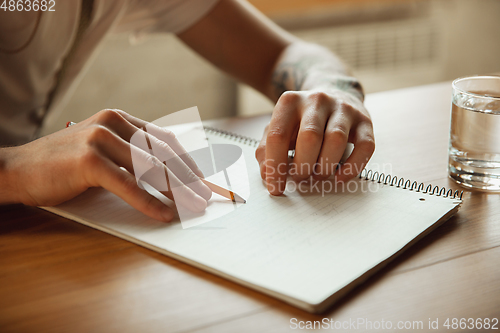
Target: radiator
(384,55)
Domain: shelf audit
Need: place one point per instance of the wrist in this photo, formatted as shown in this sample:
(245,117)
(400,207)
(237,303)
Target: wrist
(334,83)
(8,176)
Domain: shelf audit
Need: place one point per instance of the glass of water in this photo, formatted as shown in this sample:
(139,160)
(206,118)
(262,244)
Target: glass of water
(474,152)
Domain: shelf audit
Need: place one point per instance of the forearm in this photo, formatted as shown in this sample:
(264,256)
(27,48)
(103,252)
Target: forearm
(324,113)
(306,66)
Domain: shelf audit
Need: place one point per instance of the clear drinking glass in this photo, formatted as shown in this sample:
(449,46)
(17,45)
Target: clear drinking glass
(474,152)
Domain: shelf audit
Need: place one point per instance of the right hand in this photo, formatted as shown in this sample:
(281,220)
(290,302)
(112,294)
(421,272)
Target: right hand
(58,167)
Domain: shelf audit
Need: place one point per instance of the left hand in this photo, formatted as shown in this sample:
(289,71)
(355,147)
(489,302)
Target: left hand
(92,153)
(318,125)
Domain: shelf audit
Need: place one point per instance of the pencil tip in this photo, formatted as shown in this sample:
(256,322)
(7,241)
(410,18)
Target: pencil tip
(238,198)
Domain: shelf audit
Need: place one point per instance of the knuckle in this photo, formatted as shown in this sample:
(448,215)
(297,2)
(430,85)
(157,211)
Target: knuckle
(266,128)
(259,151)
(367,146)
(190,177)
(161,144)
(365,118)
(337,136)
(161,148)
(153,161)
(98,134)
(289,97)
(168,134)
(276,135)
(153,140)
(320,97)
(109,116)
(311,134)
(345,107)
(129,185)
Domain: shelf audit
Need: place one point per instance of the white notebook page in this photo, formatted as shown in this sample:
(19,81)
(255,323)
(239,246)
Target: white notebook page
(299,248)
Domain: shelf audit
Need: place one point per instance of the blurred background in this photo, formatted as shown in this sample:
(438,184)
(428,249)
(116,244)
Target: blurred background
(388,44)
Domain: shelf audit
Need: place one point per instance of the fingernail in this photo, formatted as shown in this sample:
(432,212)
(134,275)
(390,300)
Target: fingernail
(275,187)
(199,173)
(206,192)
(199,204)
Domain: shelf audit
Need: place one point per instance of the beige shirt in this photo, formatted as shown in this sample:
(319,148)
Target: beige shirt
(33,46)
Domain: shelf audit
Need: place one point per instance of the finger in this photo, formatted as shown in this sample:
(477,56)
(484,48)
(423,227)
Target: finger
(171,140)
(114,118)
(309,141)
(160,148)
(334,143)
(364,146)
(174,163)
(260,153)
(124,185)
(150,169)
(183,195)
(155,173)
(281,127)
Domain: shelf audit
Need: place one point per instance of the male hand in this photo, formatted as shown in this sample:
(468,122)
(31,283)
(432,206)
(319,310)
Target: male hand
(318,125)
(57,167)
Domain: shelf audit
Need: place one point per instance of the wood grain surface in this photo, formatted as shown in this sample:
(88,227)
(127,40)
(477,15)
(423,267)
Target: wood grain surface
(59,276)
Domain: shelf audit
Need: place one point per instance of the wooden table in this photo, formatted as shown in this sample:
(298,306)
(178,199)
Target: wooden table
(59,276)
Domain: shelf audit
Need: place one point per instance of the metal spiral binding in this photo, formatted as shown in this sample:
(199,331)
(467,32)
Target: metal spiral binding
(366,174)
(408,184)
(230,135)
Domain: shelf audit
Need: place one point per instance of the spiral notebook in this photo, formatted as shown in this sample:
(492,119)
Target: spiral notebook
(306,249)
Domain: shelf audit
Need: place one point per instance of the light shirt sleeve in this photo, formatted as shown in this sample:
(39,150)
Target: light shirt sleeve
(175,16)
